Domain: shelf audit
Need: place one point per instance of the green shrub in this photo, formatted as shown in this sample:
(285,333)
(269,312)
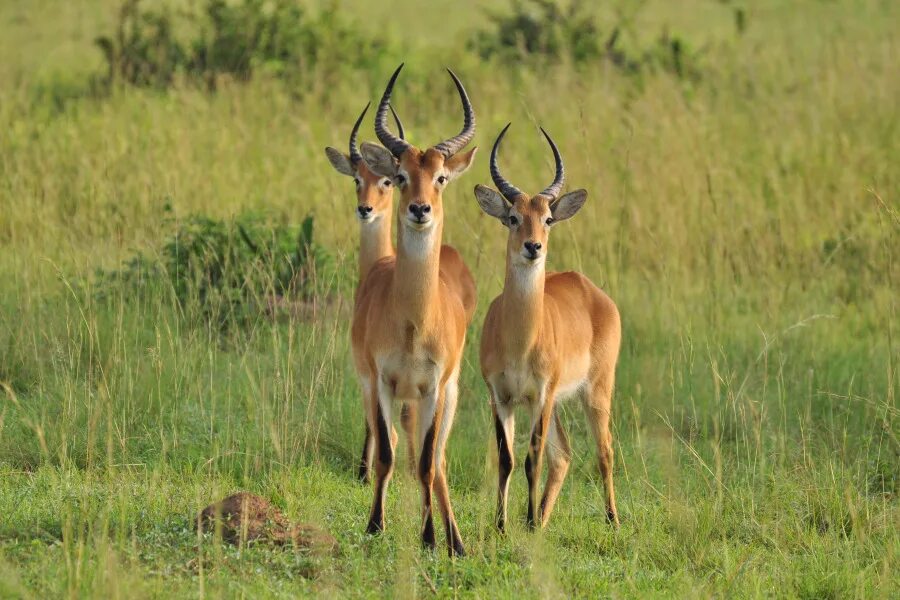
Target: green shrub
(144,50)
(237,40)
(543,31)
(229,272)
(540,28)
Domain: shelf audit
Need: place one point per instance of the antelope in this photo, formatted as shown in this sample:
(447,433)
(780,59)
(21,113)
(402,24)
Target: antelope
(411,313)
(374,199)
(374,203)
(546,337)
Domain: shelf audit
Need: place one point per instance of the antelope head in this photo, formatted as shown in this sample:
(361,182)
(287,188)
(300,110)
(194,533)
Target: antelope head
(421,175)
(374,193)
(528,218)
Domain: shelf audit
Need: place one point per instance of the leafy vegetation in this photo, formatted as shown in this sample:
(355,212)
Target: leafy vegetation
(228,271)
(547,31)
(236,40)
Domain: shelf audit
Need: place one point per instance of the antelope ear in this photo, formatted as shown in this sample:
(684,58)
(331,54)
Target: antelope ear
(568,205)
(457,164)
(340,161)
(379,160)
(492,203)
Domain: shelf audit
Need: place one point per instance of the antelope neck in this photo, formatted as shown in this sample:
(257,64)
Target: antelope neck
(375,244)
(416,278)
(522,307)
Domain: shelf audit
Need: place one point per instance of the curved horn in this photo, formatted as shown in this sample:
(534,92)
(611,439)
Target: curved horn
(355,156)
(396,145)
(509,191)
(552,191)
(450,147)
(397,120)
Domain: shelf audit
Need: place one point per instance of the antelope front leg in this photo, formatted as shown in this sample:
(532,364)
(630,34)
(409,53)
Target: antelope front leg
(430,416)
(559,455)
(380,406)
(504,427)
(534,461)
(368,449)
(455,546)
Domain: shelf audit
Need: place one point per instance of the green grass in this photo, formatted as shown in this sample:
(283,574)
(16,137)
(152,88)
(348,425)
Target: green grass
(746,225)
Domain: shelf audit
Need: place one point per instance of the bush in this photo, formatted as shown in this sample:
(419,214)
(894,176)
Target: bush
(143,51)
(229,272)
(542,31)
(237,39)
(231,39)
(540,28)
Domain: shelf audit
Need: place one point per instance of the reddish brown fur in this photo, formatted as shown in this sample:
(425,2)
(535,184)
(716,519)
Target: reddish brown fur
(376,192)
(548,333)
(408,333)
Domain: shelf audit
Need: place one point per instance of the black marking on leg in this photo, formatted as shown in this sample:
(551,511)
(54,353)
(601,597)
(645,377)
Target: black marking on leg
(529,474)
(428,531)
(536,434)
(376,520)
(385,451)
(363,472)
(505,461)
(386,461)
(455,545)
(426,470)
(531,467)
(503,451)
(426,461)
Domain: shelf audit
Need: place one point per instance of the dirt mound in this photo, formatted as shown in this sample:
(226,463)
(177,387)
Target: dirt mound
(246,517)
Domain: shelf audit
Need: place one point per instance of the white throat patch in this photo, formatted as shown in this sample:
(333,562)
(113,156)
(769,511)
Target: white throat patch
(418,244)
(528,275)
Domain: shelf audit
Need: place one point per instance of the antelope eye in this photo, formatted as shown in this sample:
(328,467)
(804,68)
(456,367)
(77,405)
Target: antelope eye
(386,182)
(400,179)
(513,220)
(442,180)
(549,221)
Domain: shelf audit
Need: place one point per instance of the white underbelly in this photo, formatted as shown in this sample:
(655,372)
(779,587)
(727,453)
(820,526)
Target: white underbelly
(514,387)
(571,390)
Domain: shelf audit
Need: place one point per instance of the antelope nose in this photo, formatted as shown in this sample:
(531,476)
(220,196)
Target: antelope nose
(533,248)
(419,210)
(364,211)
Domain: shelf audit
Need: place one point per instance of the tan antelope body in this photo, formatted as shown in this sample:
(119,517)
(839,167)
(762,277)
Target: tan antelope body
(411,314)
(547,337)
(375,202)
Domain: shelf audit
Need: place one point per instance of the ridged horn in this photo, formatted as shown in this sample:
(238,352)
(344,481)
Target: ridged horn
(450,147)
(355,156)
(395,144)
(509,191)
(552,191)
(399,123)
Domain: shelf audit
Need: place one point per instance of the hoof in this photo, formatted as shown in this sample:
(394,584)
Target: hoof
(374,527)
(455,546)
(428,535)
(612,518)
(456,549)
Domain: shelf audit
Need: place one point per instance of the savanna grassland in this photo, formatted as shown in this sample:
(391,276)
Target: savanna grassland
(744,214)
